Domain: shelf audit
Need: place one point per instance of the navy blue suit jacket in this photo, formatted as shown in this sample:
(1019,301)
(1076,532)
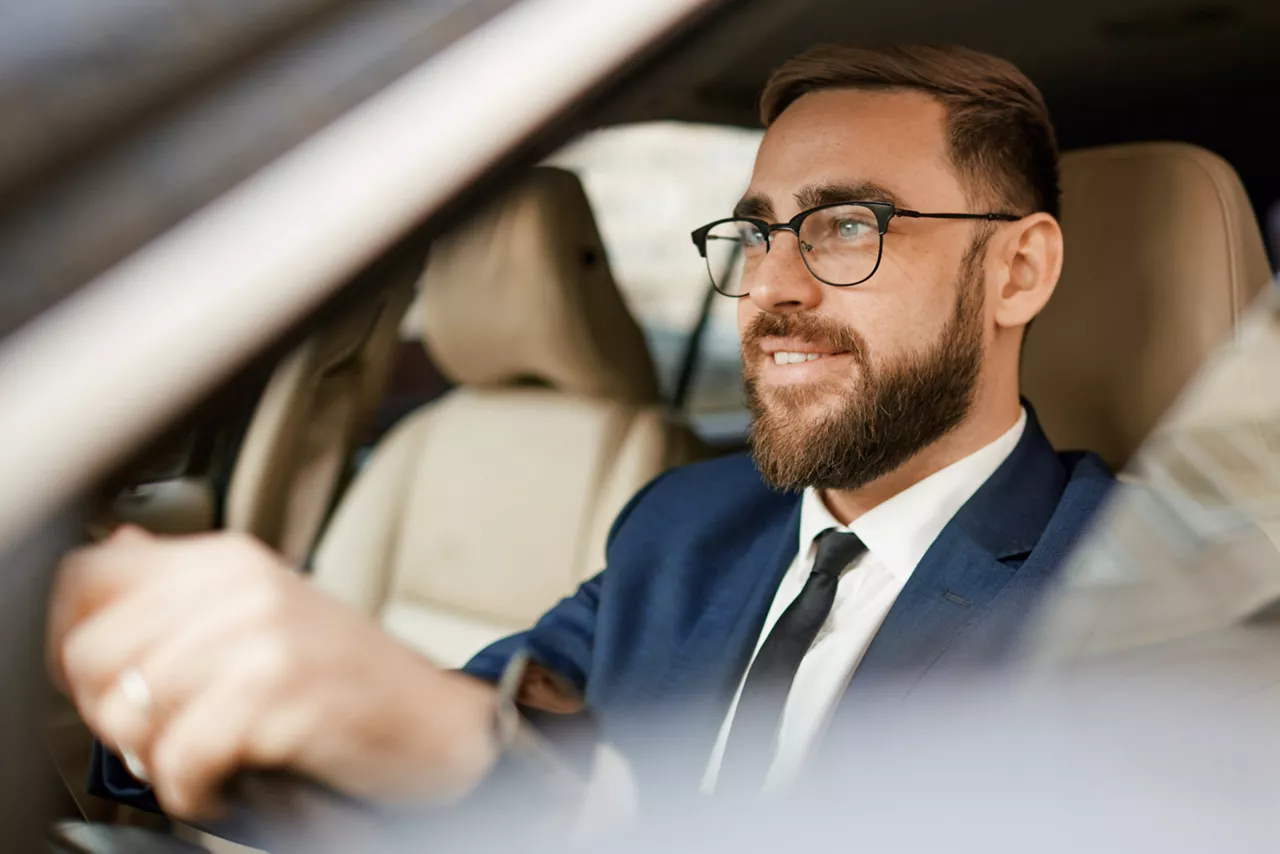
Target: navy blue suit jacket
(693,563)
(695,559)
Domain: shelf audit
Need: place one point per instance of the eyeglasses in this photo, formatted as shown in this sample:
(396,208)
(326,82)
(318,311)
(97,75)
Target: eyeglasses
(840,243)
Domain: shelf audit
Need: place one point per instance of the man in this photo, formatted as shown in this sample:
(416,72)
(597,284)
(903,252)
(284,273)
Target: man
(901,511)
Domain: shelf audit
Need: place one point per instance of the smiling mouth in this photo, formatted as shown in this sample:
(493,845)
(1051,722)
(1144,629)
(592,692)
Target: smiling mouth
(791,357)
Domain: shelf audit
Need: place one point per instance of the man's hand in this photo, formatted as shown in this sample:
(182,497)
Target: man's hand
(230,660)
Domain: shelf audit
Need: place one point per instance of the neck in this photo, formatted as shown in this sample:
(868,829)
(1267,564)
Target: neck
(988,421)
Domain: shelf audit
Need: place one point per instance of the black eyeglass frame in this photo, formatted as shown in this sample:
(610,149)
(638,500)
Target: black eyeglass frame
(884,213)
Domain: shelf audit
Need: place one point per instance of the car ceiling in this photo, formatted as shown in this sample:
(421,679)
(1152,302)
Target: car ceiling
(1111,70)
(1080,53)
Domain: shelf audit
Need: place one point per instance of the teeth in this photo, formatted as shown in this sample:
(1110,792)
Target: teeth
(785,358)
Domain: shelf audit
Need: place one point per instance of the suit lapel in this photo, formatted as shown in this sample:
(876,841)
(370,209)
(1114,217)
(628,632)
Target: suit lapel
(974,558)
(737,582)
(951,588)
(725,635)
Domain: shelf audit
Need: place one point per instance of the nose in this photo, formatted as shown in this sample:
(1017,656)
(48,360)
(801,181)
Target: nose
(781,283)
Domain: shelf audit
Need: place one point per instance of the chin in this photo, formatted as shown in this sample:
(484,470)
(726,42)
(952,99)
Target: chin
(815,400)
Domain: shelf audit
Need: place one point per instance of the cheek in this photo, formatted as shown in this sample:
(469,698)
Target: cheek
(901,328)
(902,312)
(887,322)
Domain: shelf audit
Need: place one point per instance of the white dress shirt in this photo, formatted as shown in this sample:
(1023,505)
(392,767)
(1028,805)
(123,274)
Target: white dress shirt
(897,533)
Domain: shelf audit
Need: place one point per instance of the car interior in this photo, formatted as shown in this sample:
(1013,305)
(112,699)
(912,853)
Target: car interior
(489,503)
(447,451)
(297,449)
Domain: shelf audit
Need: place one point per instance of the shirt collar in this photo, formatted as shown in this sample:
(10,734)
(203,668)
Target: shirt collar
(900,530)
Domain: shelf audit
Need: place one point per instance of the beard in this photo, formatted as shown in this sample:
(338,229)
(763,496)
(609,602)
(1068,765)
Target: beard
(881,420)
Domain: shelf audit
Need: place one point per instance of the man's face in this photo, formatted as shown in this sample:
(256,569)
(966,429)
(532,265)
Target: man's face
(899,355)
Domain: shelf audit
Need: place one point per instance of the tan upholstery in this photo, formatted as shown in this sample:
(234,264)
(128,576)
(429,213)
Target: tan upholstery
(305,427)
(525,292)
(479,511)
(302,436)
(1163,254)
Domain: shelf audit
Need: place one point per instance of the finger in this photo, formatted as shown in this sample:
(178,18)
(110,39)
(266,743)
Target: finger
(88,579)
(203,745)
(93,578)
(159,612)
(94,573)
(178,669)
(78,590)
(124,722)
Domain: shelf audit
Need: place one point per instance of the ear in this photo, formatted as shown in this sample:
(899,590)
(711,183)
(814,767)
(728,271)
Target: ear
(1031,259)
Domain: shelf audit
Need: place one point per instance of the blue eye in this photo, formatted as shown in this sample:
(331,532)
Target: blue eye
(850,229)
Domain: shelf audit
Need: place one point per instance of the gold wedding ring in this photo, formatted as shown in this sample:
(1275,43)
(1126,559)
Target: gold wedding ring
(135,689)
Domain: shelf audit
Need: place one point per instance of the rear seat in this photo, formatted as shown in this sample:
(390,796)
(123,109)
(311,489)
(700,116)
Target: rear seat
(481,509)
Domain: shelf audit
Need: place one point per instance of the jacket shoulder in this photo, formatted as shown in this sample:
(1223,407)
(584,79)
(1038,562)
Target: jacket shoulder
(699,491)
(707,484)
(1089,478)
(715,474)
(1089,484)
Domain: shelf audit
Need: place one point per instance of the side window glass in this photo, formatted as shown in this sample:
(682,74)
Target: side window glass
(650,185)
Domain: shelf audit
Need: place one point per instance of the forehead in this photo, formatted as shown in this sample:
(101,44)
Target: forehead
(894,138)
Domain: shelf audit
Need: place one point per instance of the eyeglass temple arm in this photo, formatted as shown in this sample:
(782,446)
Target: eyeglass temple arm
(995,217)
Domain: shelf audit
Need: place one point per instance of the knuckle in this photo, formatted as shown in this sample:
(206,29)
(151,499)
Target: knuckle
(267,662)
(251,569)
(232,555)
(236,542)
(248,552)
(81,663)
(268,598)
(128,533)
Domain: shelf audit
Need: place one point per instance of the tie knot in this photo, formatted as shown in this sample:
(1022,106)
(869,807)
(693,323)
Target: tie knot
(836,550)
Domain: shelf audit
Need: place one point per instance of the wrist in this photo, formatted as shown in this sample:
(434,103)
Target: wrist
(466,744)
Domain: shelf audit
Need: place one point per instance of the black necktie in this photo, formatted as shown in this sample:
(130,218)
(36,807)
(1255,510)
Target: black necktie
(750,746)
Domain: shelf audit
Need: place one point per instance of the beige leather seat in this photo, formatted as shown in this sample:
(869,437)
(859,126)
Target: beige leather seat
(479,511)
(300,441)
(1163,254)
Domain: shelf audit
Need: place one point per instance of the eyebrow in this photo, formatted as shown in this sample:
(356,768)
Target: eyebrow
(756,207)
(816,195)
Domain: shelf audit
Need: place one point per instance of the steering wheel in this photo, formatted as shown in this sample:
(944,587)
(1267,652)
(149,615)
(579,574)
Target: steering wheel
(281,812)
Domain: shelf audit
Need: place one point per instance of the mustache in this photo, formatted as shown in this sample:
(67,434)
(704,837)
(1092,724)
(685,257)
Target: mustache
(810,328)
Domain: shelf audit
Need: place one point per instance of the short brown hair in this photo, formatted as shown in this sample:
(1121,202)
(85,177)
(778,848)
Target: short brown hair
(999,133)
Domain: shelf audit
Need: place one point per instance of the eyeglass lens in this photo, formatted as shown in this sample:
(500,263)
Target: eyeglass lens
(840,246)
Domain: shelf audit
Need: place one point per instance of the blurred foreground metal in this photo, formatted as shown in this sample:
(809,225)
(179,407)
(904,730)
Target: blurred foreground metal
(1189,543)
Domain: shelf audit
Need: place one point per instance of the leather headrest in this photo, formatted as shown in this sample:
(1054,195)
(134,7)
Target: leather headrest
(523,292)
(1163,254)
